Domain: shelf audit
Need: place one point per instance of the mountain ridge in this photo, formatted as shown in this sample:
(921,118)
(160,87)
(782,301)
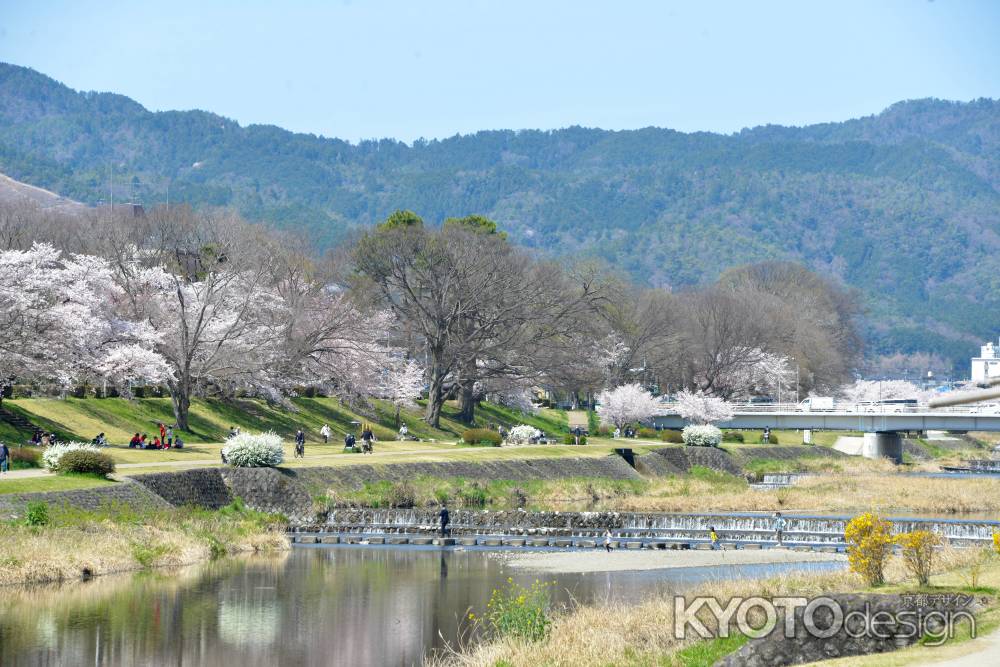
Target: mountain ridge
(903,205)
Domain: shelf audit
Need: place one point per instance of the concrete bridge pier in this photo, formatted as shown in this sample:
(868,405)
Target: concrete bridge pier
(883,444)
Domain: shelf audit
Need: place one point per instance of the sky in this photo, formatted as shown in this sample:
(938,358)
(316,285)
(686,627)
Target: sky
(359,69)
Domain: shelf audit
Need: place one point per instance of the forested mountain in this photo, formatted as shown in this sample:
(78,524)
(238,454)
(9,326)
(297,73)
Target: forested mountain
(903,205)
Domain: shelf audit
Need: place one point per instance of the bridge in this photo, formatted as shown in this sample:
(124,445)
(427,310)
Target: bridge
(884,422)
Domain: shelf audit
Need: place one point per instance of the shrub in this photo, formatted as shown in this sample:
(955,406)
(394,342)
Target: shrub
(473,496)
(772,439)
(519,612)
(481,436)
(24,457)
(53,454)
(523,434)
(254,450)
(570,439)
(648,433)
(671,435)
(701,435)
(85,461)
(869,543)
(918,553)
(402,495)
(36,514)
(732,436)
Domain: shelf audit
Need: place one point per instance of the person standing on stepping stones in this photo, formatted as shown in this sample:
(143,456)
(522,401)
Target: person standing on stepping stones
(445,520)
(779,527)
(607,540)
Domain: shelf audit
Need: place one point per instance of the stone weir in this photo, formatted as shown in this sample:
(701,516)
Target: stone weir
(690,528)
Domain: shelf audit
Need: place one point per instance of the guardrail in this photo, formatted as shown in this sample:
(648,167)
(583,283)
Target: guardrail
(852,409)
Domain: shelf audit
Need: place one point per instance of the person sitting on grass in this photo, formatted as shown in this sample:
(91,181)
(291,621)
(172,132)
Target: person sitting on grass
(178,443)
(156,442)
(136,441)
(100,440)
(349,441)
(142,442)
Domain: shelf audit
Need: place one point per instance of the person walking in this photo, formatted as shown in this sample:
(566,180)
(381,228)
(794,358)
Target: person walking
(403,432)
(607,540)
(325,432)
(714,536)
(349,441)
(779,527)
(300,444)
(4,458)
(445,520)
(366,439)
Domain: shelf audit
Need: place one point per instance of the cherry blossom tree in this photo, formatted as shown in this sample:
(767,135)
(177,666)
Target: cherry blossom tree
(402,383)
(59,320)
(699,408)
(626,405)
(873,391)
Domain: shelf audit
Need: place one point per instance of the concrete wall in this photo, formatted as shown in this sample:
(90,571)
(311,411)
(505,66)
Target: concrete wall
(203,487)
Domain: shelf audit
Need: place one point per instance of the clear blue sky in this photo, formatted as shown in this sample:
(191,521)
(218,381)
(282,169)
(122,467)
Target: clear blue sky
(362,69)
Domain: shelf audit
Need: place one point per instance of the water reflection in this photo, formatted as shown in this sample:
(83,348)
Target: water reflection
(314,606)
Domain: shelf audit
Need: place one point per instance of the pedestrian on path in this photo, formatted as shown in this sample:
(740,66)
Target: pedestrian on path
(4,458)
(300,444)
(325,432)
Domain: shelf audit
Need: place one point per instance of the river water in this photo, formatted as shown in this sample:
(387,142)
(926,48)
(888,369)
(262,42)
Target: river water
(313,606)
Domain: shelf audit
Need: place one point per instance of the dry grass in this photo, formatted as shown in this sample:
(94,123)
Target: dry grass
(119,540)
(641,634)
(856,486)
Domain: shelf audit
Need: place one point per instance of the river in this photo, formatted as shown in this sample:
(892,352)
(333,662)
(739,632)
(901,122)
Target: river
(347,605)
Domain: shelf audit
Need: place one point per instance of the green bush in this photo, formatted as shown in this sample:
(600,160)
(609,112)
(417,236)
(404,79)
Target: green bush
(481,436)
(570,439)
(37,514)
(670,435)
(519,612)
(772,441)
(23,457)
(86,461)
(648,433)
(732,436)
(473,496)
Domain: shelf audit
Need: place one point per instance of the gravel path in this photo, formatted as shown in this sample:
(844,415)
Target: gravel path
(599,560)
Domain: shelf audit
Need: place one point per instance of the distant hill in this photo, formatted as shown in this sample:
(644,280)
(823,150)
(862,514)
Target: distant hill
(903,205)
(12,191)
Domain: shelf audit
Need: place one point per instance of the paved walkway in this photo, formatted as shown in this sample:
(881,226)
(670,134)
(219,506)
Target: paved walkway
(984,651)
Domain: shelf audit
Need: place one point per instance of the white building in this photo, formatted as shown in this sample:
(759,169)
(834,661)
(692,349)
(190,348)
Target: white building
(987,364)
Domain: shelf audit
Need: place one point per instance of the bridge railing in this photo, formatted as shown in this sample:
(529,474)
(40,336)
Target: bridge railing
(851,408)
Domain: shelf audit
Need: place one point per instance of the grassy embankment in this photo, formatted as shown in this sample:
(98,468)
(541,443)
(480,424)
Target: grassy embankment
(639,634)
(56,543)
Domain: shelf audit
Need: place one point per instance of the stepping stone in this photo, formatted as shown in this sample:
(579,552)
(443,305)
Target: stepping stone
(752,545)
(308,539)
(540,542)
(657,545)
(421,540)
(468,541)
(444,541)
(378,539)
(586,544)
(703,547)
(828,550)
(633,545)
(728,547)
(398,540)
(491,541)
(513,541)
(562,543)
(330,539)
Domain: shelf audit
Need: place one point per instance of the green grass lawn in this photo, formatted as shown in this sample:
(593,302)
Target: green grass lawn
(210,419)
(51,483)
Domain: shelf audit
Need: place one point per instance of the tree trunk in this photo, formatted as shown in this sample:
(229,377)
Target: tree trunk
(180,396)
(467,401)
(435,396)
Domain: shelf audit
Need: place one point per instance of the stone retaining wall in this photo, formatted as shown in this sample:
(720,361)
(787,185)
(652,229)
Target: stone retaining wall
(802,646)
(203,487)
(608,467)
(127,493)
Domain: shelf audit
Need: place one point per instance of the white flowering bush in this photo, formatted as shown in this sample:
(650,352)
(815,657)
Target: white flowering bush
(701,435)
(52,454)
(522,434)
(254,450)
